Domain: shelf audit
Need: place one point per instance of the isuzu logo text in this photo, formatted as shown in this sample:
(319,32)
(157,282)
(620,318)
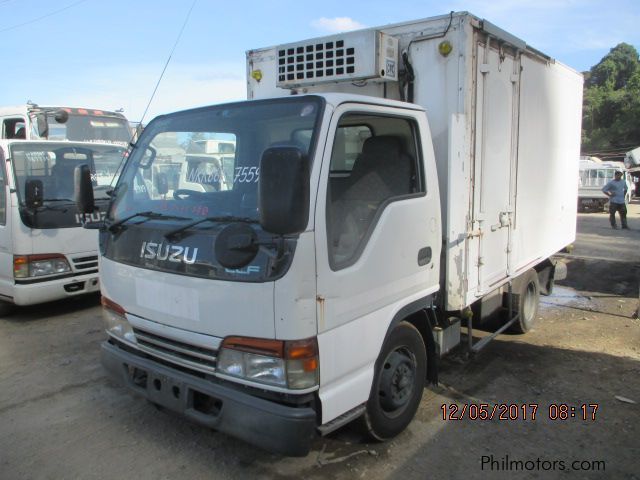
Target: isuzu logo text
(172,253)
(90,217)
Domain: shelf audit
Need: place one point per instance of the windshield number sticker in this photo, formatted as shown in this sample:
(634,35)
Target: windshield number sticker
(246,175)
(203,178)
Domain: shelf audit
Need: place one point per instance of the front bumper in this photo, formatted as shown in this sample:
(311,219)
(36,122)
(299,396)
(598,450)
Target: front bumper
(271,426)
(50,290)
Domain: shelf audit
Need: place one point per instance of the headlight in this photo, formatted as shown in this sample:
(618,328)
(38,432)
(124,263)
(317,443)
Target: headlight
(259,368)
(115,322)
(25,266)
(288,364)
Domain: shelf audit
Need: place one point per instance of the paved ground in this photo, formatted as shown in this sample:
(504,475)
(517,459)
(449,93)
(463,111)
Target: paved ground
(60,418)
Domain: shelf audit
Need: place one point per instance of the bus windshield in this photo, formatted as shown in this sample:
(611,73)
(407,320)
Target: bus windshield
(53,164)
(206,162)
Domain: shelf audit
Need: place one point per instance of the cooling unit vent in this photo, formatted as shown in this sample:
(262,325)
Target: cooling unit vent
(353,56)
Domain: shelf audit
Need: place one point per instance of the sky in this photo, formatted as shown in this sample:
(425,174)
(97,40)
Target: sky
(109,54)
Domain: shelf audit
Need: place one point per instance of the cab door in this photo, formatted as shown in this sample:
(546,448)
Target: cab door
(377,239)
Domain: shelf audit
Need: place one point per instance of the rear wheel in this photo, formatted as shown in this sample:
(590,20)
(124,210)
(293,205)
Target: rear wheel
(526,301)
(398,383)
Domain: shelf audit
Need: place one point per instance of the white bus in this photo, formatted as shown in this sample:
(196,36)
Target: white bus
(33,122)
(45,254)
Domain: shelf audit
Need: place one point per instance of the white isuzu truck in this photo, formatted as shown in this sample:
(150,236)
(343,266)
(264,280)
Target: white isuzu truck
(45,254)
(388,185)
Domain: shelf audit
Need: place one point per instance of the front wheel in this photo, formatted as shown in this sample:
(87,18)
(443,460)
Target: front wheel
(398,383)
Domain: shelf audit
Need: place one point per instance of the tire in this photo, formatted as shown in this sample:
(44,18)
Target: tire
(526,301)
(398,383)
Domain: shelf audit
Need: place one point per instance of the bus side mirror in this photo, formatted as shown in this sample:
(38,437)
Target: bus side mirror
(43,126)
(33,194)
(83,189)
(61,116)
(283,190)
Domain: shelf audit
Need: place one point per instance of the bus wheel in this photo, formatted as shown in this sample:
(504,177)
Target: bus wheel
(526,301)
(398,383)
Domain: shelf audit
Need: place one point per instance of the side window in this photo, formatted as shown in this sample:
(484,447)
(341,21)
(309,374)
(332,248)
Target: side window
(347,146)
(374,161)
(14,128)
(3,191)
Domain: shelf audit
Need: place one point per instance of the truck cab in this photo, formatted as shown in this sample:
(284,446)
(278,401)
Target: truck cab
(45,254)
(307,274)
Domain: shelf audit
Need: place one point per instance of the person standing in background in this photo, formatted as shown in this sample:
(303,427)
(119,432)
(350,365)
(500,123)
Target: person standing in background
(616,190)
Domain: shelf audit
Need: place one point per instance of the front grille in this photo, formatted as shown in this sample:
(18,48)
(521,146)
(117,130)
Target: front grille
(89,262)
(179,353)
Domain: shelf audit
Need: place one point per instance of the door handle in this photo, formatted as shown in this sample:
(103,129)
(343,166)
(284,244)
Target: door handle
(505,221)
(424,256)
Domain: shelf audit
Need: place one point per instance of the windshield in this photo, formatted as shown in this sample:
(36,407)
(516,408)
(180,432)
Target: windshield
(53,164)
(596,177)
(206,162)
(90,128)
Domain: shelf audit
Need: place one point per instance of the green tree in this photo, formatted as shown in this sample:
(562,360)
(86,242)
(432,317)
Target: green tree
(611,109)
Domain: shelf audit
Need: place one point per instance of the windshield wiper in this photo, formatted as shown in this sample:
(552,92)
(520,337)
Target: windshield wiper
(149,215)
(44,207)
(221,219)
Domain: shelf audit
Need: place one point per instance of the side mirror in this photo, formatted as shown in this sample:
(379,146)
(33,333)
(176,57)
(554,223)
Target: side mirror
(148,157)
(43,126)
(33,194)
(162,183)
(283,190)
(83,189)
(61,116)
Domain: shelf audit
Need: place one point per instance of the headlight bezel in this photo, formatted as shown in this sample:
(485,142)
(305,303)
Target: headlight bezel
(40,265)
(115,322)
(287,364)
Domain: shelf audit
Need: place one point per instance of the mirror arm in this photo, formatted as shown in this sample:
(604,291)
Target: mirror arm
(278,243)
(93,225)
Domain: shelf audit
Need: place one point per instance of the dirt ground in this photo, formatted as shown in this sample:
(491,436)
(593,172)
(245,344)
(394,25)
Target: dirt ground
(61,418)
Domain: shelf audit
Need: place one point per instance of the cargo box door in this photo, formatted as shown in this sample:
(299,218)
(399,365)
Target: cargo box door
(496,121)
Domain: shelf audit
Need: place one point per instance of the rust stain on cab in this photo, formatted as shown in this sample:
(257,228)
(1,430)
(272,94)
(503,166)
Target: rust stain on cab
(320,302)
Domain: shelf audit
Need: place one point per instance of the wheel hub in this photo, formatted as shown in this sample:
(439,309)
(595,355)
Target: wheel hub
(396,381)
